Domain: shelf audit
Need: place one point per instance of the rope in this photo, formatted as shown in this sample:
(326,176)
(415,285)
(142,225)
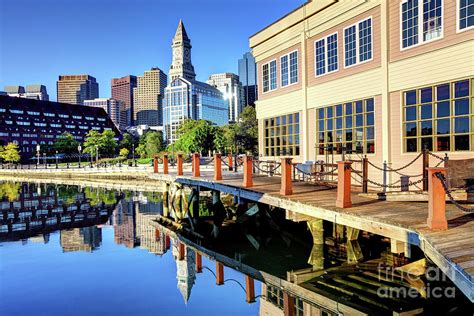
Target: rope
(442,178)
(436,156)
(398,169)
(267,170)
(331,172)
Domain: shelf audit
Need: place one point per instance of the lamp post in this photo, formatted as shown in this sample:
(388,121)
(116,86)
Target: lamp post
(44,161)
(56,159)
(38,148)
(79,148)
(133,155)
(97,155)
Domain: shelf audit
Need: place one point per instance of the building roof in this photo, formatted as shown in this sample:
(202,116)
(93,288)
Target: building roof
(199,84)
(14,89)
(35,88)
(181,32)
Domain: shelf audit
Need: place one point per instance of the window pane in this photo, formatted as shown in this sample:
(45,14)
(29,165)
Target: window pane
(369,105)
(442,109)
(442,92)
(443,143)
(329,112)
(359,108)
(370,147)
(461,125)
(461,142)
(461,88)
(432,19)
(410,113)
(410,97)
(370,133)
(410,129)
(426,111)
(339,110)
(320,51)
(350,53)
(369,117)
(294,67)
(321,113)
(273,75)
(284,70)
(426,95)
(409,23)
(426,128)
(411,145)
(348,122)
(461,107)
(332,52)
(339,123)
(365,40)
(348,108)
(442,127)
(349,135)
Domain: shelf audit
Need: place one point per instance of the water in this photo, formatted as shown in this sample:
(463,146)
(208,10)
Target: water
(111,260)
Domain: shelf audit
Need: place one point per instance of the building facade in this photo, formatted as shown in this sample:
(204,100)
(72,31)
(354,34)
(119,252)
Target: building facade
(29,122)
(231,88)
(122,90)
(186,99)
(35,91)
(248,78)
(112,107)
(378,78)
(148,98)
(74,89)
(181,65)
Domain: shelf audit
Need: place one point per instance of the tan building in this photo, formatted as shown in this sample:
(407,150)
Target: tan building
(74,89)
(148,97)
(381,78)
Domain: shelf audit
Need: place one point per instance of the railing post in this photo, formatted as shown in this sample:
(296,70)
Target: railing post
(196,171)
(165,164)
(198,263)
(384,189)
(344,184)
(219,273)
(365,174)
(180,164)
(155,164)
(436,200)
(426,164)
(248,181)
(217,167)
(286,184)
(231,162)
(249,289)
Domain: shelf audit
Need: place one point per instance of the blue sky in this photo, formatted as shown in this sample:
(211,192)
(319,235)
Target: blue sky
(41,39)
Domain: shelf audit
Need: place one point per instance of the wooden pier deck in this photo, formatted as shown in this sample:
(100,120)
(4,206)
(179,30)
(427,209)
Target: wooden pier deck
(451,250)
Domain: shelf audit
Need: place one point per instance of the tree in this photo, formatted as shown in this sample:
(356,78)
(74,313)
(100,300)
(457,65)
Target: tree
(10,153)
(195,136)
(246,130)
(104,141)
(153,143)
(128,141)
(66,144)
(124,153)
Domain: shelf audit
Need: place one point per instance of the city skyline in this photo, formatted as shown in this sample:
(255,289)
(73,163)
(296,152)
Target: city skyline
(153,39)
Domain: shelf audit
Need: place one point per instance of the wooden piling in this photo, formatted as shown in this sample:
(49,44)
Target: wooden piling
(155,164)
(219,273)
(425,166)
(165,164)
(286,181)
(249,289)
(217,167)
(181,251)
(436,200)
(196,163)
(180,164)
(198,263)
(248,181)
(344,184)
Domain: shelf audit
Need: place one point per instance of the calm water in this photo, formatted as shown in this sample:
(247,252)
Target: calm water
(108,259)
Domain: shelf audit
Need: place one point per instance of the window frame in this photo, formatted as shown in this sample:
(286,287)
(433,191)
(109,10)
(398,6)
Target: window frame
(269,76)
(326,57)
(289,69)
(356,24)
(458,19)
(420,25)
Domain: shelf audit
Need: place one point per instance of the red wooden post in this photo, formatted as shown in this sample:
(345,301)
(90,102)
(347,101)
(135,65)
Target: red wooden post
(436,200)
(180,251)
(155,164)
(180,164)
(165,164)
(231,162)
(426,164)
(286,184)
(249,289)
(219,273)
(198,263)
(157,234)
(217,167)
(196,172)
(288,304)
(344,184)
(167,242)
(248,182)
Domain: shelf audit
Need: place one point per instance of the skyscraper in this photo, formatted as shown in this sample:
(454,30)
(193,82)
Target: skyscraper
(112,108)
(35,91)
(181,65)
(231,88)
(14,91)
(122,90)
(148,96)
(248,78)
(74,89)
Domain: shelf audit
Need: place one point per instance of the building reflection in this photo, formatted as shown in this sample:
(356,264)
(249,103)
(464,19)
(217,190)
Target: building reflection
(185,258)
(81,239)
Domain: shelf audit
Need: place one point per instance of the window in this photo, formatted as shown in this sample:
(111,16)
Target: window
(289,68)
(465,14)
(348,126)
(275,296)
(439,118)
(421,21)
(326,55)
(358,43)
(282,135)
(269,76)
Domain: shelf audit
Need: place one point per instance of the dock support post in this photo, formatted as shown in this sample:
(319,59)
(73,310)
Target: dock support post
(436,200)
(219,273)
(248,181)
(155,164)
(216,196)
(288,304)
(196,172)
(166,207)
(217,167)
(249,289)
(180,164)
(165,164)
(316,258)
(180,251)
(198,263)
(426,164)
(286,184)
(365,174)
(231,162)
(344,184)
(398,247)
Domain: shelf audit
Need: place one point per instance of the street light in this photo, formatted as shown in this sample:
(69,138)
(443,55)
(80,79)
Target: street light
(44,161)
(38,148)
(133,154)
(56,159)
(97,155)
(79,148)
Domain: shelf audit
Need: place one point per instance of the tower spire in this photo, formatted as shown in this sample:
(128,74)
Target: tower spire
(181,65)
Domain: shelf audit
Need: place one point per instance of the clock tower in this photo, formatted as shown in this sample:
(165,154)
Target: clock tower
(181,65)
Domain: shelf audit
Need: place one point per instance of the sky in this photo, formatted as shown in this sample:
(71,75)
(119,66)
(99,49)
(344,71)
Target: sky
(42,39)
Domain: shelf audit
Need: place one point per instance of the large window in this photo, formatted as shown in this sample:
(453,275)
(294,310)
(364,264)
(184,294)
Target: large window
(465,14)
(282,135)
(348,126)
(421,21)
(326,55)
(358,43)
(439,118)
(269,74)
(289,68)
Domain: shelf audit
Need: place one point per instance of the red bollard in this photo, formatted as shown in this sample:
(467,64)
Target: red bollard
(219,273)
(231,162)
(344,184)
(198,263)
(180,164)
(286,181)
(248,181)
(196,172)
(155,164)
(249,289)
(217,167)
(165,164)
(436,200)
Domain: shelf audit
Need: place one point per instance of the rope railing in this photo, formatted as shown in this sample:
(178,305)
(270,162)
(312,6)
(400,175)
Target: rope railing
(268,169)
(317,173)
(448,192)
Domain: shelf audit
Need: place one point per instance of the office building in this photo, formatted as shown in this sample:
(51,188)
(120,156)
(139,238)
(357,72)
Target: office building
(181,65)
(112,108)
(74,89)
(378,78)
(35,91)
(122,90)
(231,88)
(148,98)
(248,78)
(15,91)
(29,122)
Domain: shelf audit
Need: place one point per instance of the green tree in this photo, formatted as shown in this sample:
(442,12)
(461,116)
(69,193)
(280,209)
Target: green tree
(128,141)
(123,153)
(195,136)
(65,144)
(104,141)
(246,130)
(153,143)
(10,153)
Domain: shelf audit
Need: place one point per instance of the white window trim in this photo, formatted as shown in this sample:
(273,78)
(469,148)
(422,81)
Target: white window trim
(269,77)
(358,62)
(326,64)
(289,69)
(420,26)
(458,19)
